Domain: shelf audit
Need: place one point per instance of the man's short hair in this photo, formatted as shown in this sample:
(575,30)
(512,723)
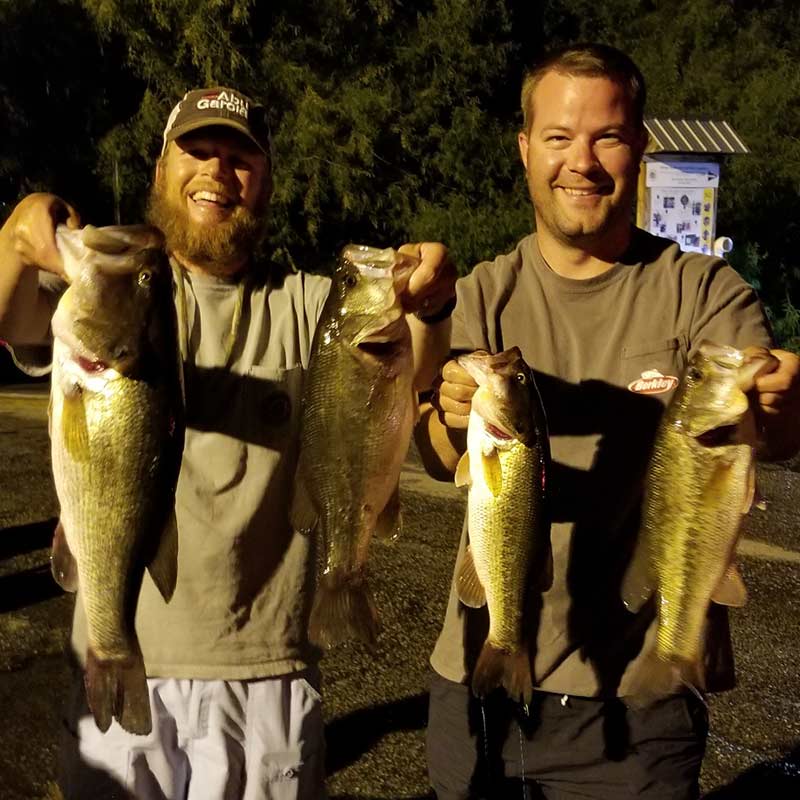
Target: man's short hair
(590,61)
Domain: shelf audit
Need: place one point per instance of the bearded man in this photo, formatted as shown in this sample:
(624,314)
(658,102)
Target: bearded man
(233,681)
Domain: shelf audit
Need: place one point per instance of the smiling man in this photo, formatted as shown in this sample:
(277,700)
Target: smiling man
(233,680)
(608,316)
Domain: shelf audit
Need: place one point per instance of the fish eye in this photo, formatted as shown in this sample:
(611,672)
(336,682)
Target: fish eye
(522,378)
(145,277)
(350,280)
(694,374)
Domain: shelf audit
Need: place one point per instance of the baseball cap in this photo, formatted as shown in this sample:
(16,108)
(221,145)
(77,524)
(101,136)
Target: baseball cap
(220,105)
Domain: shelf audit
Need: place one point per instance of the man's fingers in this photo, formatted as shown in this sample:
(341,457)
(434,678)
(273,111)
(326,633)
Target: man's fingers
(455,421)
(453,372)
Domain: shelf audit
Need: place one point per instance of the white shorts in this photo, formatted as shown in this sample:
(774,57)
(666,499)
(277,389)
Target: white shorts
(211,740)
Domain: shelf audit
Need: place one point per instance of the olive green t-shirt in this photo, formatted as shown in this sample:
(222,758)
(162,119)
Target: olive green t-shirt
(245,578)
(607,353)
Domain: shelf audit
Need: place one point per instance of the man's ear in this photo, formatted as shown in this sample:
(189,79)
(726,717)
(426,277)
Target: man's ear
(522,141)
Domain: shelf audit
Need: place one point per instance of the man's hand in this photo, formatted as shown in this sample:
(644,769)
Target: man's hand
(452,398)
(778,395)
(433,283)
(31,231)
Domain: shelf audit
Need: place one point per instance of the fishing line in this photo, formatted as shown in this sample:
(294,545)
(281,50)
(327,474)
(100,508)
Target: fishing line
(522,753)
(486,745)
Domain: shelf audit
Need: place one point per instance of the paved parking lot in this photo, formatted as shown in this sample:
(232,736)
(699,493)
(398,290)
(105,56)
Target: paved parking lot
(376,703)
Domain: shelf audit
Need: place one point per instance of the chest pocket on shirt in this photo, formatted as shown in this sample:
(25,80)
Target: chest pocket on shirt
(242,422)
(654,367)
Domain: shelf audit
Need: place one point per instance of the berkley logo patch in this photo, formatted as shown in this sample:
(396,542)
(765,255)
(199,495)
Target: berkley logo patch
(653,382)
(224,100)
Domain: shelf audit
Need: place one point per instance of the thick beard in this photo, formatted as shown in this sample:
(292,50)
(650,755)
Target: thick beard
(220,250)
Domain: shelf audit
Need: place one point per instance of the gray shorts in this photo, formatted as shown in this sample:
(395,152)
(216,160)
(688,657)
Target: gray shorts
(211,740)
(566,748)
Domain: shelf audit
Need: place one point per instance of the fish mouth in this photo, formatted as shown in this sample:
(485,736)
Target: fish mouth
(718,437)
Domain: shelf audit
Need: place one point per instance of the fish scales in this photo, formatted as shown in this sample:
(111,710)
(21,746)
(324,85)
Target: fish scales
(700,482)
(116,429)
(501,526)
(509,558)
(359,410)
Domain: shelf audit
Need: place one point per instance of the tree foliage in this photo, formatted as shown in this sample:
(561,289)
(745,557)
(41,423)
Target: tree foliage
(393,119)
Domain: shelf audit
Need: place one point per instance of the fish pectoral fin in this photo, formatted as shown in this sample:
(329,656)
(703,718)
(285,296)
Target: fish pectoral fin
(163,567)
(302,514)
(731,590)
(470,589)
(390,521)
(463,478)
(493,472)
(62,562)
(74,427)
(639,582)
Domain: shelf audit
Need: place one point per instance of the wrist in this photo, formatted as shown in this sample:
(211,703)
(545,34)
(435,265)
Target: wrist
(433,318)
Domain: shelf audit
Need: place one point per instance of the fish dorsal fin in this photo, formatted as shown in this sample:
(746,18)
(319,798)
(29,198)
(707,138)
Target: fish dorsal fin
(470,589)
(639,583)
(492,471)
(463,478)
(163,567)
(390,520)
(731,590)
(74,428)
(62,562)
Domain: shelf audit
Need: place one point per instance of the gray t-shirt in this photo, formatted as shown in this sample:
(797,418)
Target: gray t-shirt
(607,353)
(245,578)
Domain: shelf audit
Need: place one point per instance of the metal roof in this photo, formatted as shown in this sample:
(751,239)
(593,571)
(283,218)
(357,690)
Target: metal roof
(692,136)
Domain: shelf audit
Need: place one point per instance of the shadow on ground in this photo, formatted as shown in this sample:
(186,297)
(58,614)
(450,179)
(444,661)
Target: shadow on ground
(350,736)
(775,780)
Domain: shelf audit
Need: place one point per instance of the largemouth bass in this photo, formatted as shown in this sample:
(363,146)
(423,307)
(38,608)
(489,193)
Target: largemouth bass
(700,483)
(359,409)
(116,428)
(508,556)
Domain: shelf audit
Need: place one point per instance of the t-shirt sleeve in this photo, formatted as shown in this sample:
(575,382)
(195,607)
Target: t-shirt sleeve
(316,292)
(728,311)
(469,317)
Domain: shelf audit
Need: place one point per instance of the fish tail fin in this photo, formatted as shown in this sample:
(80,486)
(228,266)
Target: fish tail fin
(343,610)
(118,689)
(497,667)
(657,678)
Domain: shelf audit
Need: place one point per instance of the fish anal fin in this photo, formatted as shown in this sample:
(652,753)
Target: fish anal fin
(468,585)
(731,590)
(62,562)
(751,489)
(492,472)
(390,521)
(163,567)
(463,478)
(74,427)
(302,514)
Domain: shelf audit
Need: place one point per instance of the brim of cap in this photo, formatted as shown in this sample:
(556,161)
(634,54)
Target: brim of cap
(216,122)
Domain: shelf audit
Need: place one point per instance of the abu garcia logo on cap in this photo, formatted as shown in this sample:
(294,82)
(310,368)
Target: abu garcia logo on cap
(224,100)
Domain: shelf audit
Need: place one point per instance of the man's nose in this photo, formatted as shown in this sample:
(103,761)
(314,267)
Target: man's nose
(581,157)
(217,166)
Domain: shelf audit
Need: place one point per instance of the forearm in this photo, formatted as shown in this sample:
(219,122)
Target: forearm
(24,311)
(431,346)
(439,447)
